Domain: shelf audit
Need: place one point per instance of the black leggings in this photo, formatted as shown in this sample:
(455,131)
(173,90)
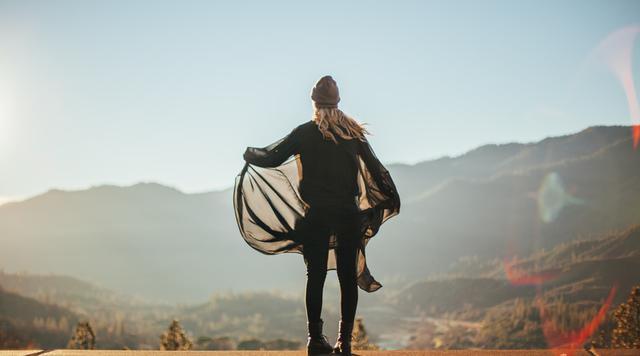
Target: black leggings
(320,224)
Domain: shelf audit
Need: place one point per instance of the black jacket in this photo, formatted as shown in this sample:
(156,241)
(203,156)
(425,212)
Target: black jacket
(280,182)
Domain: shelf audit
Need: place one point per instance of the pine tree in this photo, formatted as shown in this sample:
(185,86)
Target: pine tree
(84,338)
(175,338)
(626,333)
(360,340)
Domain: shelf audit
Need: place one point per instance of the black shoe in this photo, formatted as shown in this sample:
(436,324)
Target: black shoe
(343,344)
(317,343)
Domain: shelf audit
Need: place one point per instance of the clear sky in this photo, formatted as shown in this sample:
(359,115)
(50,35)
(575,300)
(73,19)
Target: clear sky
(119,92)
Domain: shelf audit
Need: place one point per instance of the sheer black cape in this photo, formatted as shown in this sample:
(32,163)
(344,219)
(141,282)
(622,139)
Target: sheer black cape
(268,204)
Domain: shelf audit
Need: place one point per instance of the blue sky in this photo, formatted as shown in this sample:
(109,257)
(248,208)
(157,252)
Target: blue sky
(118,92)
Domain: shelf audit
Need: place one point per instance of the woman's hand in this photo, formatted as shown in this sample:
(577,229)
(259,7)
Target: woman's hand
(245,154)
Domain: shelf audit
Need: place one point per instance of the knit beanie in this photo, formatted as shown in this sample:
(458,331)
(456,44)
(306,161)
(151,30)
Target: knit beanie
(325,93)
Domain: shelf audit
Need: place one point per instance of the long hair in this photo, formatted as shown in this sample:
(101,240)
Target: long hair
(332,122)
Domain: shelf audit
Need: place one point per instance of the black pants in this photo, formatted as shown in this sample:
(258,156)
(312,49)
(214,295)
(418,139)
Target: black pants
(320,223)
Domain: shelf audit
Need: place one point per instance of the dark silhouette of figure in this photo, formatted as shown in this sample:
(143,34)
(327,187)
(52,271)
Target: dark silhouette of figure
(326,203)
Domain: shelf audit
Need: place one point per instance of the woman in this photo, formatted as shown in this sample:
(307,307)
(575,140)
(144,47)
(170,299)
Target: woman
(325,203)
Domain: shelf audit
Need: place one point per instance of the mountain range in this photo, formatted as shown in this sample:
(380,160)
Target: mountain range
(486,304)
(496,201)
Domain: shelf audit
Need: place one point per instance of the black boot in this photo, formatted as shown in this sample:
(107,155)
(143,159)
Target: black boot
(317,343)
(343,344)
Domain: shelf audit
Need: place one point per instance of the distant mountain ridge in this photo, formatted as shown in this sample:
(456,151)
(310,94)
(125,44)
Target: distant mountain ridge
(160,243)
(496,212)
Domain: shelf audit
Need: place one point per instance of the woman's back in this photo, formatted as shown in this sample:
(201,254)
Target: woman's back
(329,169)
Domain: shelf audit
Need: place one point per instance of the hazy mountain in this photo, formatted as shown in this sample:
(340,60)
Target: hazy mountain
(577,276)
(544,194)
(494,201)
(27,322)
(42,310)
(502,307)
(81,297)
(147,239)
(577,271)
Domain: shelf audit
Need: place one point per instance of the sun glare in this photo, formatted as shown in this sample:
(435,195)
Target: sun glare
(616,51)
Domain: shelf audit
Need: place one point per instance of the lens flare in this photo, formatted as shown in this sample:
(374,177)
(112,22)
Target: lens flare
(560,342)
(552,198)
(563,342)
(616,52)
(518,277)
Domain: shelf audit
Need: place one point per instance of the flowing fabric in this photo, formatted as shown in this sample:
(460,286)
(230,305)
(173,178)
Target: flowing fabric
(270,209)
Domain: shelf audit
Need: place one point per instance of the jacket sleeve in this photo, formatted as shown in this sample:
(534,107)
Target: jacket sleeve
(276,153)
